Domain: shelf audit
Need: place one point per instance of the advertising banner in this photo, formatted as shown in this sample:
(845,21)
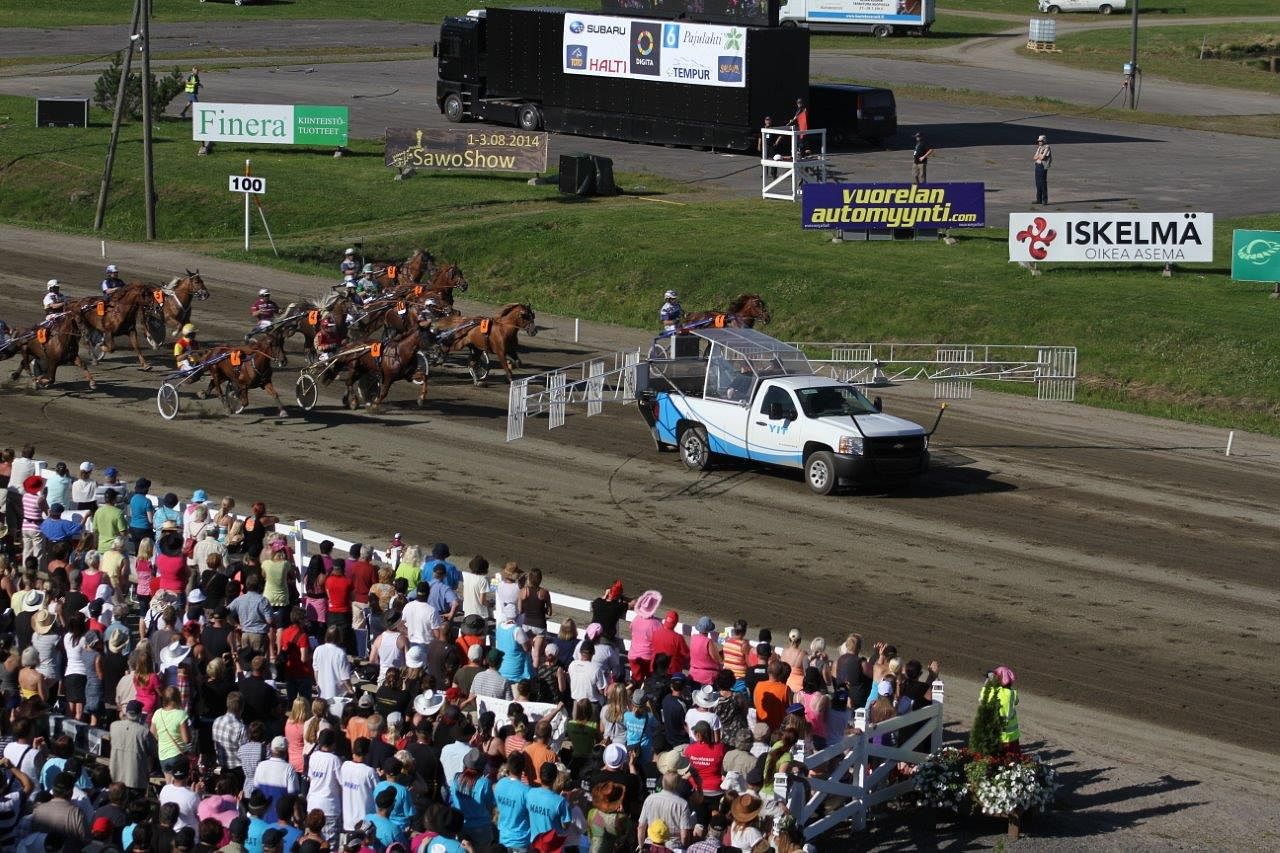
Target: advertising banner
(467,150)
(270,124)
(867,11)
(1255,255)
(1134,238)
(669,52)
(752,13)
(879,207)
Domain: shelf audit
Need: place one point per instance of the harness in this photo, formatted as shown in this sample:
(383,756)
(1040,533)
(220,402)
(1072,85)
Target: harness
(719,321)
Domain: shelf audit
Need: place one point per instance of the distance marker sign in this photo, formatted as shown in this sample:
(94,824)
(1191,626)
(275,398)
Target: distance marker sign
(248,184)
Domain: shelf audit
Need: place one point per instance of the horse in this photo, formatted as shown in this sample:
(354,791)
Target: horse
(179,294)
(744,312)
(440,288)
(109,316)
(303,318)
(420,263)
(50,345)
(387,361)
(497,335)
(244,368)
(393,316)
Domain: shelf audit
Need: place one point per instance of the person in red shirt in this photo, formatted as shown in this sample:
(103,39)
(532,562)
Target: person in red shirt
(362,576)
(668,640)
(708,759)
(294,662)
(340,591)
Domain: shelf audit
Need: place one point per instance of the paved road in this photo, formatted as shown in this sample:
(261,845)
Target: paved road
(1097,164)
(1122,563)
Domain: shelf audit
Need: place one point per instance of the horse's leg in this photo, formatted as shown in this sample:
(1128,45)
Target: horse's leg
(422,392)
(384,388)
(500,350)
(137,348)
(79,362)
(270,389)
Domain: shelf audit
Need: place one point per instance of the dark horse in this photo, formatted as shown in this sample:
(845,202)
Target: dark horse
(497,335)
(385,362)
(303,318)
(420,263)
(439,289)
(103,317)
(243,368)
(744,312)
(52,344)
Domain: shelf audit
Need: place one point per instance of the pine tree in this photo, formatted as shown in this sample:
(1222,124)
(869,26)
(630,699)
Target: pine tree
(163,90)
(984,737)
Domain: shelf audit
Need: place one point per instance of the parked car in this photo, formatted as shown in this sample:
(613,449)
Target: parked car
(1106,7)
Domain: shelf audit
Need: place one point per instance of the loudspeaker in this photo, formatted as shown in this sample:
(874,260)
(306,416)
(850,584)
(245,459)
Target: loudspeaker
(62,112)
(577,174)
(604,175)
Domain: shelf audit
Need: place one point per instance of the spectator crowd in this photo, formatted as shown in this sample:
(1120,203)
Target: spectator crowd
(174,680)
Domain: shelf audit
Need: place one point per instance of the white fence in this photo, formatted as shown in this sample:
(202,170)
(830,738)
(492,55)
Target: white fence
(846,774)
(593,382)
(952,368)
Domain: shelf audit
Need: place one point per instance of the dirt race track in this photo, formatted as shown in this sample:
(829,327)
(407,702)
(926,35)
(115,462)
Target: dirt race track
(1123,565)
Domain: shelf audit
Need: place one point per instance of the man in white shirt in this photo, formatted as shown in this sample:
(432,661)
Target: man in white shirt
(325,792)
(477,597)
(22,467)
(178,792)
(332,669)
(276,776)
(358,780)
(587,679)
(420,618)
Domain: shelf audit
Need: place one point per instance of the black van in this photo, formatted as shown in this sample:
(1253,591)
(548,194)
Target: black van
(851,112)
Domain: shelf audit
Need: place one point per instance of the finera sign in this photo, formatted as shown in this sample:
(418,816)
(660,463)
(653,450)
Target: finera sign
(270,124)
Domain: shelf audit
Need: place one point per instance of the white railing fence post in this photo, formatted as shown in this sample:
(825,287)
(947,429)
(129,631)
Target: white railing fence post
(300,545)
(935,741)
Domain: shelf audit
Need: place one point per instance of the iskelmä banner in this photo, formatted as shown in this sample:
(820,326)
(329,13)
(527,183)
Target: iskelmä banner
(1097,237)
(879,207)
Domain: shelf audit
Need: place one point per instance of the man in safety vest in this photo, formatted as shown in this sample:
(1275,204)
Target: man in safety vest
(54,301)
(671,312)
(192,89)
(183,346)
(328,339)
(264,310)
(112,282)
(368,286)
(349,263)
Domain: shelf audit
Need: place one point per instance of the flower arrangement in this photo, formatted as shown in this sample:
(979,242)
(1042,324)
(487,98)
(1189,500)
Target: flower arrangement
(1017,788)
(941,782)
(962,781)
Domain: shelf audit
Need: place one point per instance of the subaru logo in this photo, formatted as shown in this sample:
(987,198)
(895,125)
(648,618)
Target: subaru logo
(575,26)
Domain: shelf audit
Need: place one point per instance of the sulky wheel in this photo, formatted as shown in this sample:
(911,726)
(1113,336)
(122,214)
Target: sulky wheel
(307,392)
(167,401)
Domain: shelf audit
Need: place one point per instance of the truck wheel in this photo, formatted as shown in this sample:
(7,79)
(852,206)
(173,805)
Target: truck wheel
(788,24)
(1053,10)
(1104,9)
(882,31)
(820,472)
(695,450)
(529,117)
(453,107)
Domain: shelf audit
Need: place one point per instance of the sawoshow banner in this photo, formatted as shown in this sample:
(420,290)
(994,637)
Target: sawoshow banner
(270,124)
(479,150)
(1255,255)
(1155,238)
(665,51)
(876,207)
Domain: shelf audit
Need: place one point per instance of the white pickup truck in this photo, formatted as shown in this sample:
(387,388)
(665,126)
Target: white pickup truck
(740,393)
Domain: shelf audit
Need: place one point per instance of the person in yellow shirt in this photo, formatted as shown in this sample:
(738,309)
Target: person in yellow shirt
(183,346)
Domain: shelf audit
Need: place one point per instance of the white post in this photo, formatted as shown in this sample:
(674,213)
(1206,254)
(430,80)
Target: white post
(1231,437)
(104,250)
(575,330)
(246,209)
(935,741)
(860,719)
(300,544)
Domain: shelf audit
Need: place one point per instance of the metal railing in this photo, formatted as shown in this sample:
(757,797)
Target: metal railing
(592,382)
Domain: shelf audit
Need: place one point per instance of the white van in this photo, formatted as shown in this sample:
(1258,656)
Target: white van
(1106,7)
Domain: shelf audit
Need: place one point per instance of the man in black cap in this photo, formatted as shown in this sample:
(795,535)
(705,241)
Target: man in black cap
(920,161)
(132,748)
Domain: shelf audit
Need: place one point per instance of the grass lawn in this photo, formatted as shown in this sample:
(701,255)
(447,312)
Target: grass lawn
(65,13)
(1155,8)
(947,31)
(1173,53)
(1144,341)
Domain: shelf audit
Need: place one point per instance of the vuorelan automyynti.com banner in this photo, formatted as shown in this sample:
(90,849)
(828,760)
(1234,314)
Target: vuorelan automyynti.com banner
(878,207)
(662,51)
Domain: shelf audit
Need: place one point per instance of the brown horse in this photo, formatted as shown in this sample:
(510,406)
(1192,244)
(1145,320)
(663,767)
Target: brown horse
(303,318)
(744,312)
(178,296)
(440,288)
(103,318)
(52,344)
(497,335)
(243,368)
(386,361)
(420,263)
(394,316)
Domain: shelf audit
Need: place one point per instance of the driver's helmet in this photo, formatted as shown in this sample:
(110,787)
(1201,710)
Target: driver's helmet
(53,284)
(264,292)
(112,269)
(349,252)
(368,269)
(670,294)
(188,329)
(349,281)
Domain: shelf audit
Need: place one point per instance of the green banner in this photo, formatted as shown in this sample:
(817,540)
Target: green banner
(319,125)
(1255,256)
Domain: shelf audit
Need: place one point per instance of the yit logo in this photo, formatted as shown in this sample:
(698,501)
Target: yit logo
(671,36)
(733,39)
(1038,236)
(575,27)
(575,57)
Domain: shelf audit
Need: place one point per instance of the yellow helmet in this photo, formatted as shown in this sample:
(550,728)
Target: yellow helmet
(188,329)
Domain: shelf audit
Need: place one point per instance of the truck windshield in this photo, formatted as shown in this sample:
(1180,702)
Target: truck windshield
(833,401)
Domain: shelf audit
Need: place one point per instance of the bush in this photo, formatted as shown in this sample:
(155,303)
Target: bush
(163,90)
(984,738)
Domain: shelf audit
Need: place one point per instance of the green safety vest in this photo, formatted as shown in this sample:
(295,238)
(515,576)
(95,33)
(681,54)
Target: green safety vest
(1008,698)
(193,83)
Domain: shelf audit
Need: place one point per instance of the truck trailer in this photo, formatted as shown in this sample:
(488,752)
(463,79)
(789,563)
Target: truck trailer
(639,80)
(880,18)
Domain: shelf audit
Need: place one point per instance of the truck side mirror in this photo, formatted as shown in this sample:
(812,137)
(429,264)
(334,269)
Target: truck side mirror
(775,412)
(877,404)
(435,50)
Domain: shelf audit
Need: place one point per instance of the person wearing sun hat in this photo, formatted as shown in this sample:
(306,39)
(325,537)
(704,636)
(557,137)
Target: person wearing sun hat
(608,824)
(643,627)
(33,507)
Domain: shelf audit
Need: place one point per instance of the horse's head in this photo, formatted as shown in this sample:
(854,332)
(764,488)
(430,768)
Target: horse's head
(521,315)
(450,277)
(750,307)
(196,283)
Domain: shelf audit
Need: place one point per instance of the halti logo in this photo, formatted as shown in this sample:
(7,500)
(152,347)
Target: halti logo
(575,27)
(733,39)
(1038,236)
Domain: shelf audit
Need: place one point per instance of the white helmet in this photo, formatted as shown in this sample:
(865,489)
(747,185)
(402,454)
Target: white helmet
(264,292)
(112,268)
(670,294)
(349,251)
(53,284)
(349,279)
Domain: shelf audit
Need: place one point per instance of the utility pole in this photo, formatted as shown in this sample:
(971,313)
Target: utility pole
(1133,60)
(148,174)
(115,120)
